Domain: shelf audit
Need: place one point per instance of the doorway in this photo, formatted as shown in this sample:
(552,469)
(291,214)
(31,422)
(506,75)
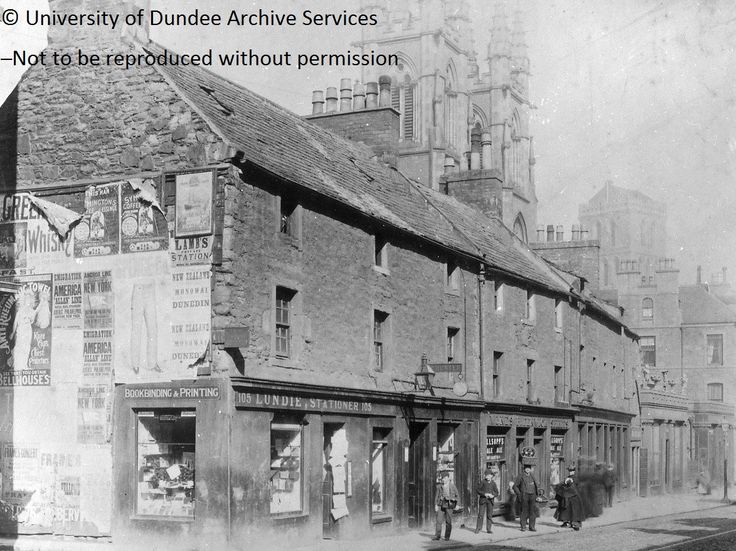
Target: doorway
(419,476)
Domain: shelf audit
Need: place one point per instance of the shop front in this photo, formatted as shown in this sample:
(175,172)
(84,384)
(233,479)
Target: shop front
(544,440)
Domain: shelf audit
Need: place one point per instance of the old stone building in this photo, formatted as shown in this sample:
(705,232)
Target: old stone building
(226,324)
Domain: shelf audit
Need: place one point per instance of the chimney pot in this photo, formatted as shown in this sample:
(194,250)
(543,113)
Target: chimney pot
(576,232)
(583,233)
(346,95)
(358,96)
(449,164)
(550,233)
(371,95)
(318,102)
(540,233)
(485,142)
(560,233)
(384,84)
(331,99)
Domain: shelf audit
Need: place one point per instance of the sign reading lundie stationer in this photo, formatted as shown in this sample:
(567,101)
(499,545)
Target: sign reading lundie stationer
(308,403)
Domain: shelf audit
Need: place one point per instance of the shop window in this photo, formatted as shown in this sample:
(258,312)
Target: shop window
(446,451)
(647,309)
(452,338)
(648,347)
(715,350)
(166,445)
(284,315)
(286,465)
(715,392)
(337,477)
(379,471)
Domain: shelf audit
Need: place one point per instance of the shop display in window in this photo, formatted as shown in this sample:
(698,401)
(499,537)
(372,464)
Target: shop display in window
(286,467)
(379,469)
(446,452)
(166,468)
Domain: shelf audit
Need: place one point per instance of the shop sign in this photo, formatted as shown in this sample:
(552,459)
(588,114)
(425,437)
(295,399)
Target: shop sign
(303,403)
(495,448)
(447,367)
(556,445)
(173,393)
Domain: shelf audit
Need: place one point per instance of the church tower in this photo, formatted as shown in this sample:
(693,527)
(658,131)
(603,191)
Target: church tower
(463,126)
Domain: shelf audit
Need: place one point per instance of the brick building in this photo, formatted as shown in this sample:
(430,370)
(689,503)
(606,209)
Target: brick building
(256,332)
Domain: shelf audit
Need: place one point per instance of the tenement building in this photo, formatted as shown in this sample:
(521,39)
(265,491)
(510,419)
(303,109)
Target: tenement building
(225,324)
(687,340)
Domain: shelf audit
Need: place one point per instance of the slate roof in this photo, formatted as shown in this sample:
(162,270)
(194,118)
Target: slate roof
(305,154)
(697,305)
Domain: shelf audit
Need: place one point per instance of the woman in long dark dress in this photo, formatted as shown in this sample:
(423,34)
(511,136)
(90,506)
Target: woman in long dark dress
(569,505)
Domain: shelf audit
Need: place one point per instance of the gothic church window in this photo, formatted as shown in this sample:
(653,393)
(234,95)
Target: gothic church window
(520,228)
(402,100)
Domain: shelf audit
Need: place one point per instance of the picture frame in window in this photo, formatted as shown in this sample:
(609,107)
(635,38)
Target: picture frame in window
(194,213)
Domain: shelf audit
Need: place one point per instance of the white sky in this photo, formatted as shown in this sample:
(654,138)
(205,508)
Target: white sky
(640,92)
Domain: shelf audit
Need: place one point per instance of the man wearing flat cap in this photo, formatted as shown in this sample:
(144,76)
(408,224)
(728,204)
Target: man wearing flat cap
(487,492)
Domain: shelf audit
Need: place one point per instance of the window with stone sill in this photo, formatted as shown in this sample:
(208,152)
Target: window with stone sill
(380,253)
(715,392)
(714,350)
(284,322)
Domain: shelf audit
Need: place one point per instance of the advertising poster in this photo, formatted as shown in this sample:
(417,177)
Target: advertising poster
(191,313)
(190,251)
(68,300)
(98,326)
(25,333)
(194,203)
(41,486)
(142,227)
(98,234)
(94,408)
(12,247)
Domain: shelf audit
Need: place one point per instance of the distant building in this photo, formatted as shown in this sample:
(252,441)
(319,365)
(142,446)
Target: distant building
(629,225)
(688,342)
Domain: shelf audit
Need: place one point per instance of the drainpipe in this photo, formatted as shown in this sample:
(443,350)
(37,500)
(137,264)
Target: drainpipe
(481,283)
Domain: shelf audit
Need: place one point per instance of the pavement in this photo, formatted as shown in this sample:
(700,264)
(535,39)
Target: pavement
(463,537)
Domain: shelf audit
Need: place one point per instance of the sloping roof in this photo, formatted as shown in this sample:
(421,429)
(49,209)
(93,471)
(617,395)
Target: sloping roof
(697,305)
(307,155)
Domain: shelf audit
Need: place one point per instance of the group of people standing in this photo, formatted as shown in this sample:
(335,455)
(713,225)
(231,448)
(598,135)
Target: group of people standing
(576,499)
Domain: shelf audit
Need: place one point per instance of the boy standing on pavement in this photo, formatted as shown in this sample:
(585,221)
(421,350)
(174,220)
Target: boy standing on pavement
(487,493)
(444,505)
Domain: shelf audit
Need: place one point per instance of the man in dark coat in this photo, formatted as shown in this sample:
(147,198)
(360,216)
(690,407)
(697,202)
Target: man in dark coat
(569,505)
(609,483)
(444,504)
(527,489)
(487,492)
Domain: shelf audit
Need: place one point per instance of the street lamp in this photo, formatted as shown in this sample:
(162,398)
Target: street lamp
(425,376)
